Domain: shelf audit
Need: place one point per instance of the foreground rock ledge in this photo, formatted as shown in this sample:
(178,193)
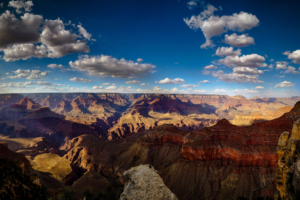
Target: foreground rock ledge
(143,182)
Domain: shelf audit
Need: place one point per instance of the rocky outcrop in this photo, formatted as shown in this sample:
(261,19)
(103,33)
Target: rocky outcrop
(288,167)
(143,182)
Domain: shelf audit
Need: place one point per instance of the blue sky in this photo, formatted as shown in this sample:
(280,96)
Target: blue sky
(244,47)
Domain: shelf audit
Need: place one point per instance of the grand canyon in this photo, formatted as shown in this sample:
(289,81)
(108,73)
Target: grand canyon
(149,100)
(202,146)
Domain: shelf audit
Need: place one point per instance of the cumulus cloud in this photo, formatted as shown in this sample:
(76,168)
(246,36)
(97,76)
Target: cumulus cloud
(54,66)
(19,5)
(170,81)
(247,70)
(219,90)
(139,60)
(252,60)
(259,88)
(271,66)
(83,32)
(213,25)
(210,67)
(205,81)
(284,84)
(292,70)
(132,82)
(111,88)
(192,4)
(14,30)
(245,91)
(188,86)
(21,38)
(108,84)
(97,87)
(295,56)
(44,83)
(281,65)
(227,51)
(81,80)
(33,74)
(143,84)
(238,40)
(205,72)
(109,66)
(235,77)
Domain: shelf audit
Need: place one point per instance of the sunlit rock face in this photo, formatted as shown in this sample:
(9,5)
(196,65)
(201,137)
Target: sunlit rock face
(143,182)
(288,167)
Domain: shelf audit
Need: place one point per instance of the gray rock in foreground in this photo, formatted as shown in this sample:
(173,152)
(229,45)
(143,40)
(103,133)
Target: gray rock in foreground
(143,182)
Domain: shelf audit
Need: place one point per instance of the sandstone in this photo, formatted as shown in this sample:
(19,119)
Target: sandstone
(143,182)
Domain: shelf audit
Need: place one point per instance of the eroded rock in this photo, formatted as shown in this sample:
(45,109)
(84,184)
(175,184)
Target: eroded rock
(143,182)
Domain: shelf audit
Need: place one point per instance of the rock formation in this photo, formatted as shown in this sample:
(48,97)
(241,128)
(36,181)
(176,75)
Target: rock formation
(288,167)
(223,161)
(143,182)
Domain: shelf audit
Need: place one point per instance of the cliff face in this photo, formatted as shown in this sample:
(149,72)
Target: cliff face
(288,167)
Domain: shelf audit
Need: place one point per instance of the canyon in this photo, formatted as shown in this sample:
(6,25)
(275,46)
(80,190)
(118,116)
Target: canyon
(202,146)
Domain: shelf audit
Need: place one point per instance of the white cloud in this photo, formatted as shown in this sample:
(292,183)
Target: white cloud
(210,67)
(143,84)
(139,60)
(81,80)
(111,88)
(192,4)
(33,74)
(83,32)
(17,37)
(170,81)
(227,51)
(259,88)
(284,84)
(247,70)
(205,81)
(212,25)
(247,91)
(271,66)
(295,56)
(14,30)
(252,60)
(238,40)
(205,72)
(97,87)
(1,5)
(281,65)
(219,90)
(109,66)
(153,71)
(132,82)
(188,86)
(54,66)
(235,77)
(108,84)
(19,4)
(292,70)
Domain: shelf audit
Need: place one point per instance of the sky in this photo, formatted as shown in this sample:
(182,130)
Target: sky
(247,47)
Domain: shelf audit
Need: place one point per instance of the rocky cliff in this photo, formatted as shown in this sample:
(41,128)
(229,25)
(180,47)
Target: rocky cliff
(143,182)
(288,167)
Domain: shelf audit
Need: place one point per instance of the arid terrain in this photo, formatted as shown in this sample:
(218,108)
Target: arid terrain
(203,146)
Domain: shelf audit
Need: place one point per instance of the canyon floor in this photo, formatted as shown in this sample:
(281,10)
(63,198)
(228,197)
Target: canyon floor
(203,146)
